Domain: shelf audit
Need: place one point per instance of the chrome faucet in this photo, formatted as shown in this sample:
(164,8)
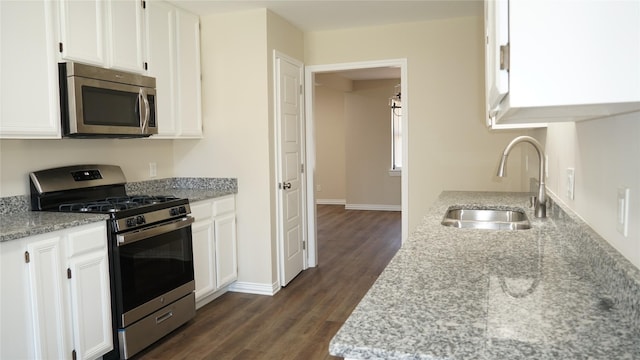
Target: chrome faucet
(540,202)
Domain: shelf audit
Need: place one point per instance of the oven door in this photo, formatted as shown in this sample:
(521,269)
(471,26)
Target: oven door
(104,108)
(153,267)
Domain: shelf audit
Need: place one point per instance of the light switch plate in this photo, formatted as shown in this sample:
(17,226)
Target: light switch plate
(622,223)
(571,183)
(546,166)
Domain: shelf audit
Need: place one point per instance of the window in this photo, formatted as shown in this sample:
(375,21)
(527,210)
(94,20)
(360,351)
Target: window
(396,132)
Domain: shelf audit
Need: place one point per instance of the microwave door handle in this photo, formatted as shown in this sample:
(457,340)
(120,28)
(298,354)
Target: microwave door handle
(142,95)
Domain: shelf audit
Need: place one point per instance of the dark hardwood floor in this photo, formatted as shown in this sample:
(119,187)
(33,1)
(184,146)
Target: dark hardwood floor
(300,320)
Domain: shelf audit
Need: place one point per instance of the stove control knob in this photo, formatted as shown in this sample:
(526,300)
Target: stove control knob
(174,212)
(140,220)
(182,210)
(131,222)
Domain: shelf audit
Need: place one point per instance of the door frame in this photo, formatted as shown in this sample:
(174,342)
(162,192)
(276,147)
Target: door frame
(309,79)
(277,56)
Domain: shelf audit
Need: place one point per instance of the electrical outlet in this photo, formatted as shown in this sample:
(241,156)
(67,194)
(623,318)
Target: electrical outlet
(622,223)
(318,188)
(153,169)
(571,183)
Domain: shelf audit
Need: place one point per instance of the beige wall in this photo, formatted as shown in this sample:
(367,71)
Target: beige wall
(604,154)
(449,147)
(20,157)
(368,145)
(330,137)
(353,143)
(237,50)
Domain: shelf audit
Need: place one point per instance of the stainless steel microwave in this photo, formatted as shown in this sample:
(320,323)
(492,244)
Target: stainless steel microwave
(99,102)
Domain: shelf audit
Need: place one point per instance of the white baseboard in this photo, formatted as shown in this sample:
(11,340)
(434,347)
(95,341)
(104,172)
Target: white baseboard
(330,201)
(255,288)
(374,207)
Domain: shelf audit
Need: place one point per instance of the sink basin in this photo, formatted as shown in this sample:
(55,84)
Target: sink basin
(490,219)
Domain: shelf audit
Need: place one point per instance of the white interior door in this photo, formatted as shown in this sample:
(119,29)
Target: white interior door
(289,126)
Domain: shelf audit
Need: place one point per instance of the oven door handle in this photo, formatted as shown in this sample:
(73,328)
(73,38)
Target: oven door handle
(131,237)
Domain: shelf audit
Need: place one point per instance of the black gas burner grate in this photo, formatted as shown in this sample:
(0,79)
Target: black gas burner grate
(114,204)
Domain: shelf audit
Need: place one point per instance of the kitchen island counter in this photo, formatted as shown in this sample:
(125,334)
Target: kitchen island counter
(555,291)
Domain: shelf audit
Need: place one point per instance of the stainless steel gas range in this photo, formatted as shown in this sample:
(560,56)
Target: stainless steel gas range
(150,249)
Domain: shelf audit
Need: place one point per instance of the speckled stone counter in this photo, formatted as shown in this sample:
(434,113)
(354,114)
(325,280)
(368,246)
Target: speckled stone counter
(556,291)
(16,221)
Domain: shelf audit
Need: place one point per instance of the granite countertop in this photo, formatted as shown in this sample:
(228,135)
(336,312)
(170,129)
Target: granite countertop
(556,291)
(16,221)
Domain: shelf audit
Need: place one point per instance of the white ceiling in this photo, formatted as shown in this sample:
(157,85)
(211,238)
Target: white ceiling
(318,15)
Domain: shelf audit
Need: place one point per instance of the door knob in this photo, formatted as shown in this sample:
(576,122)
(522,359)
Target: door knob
(286,185)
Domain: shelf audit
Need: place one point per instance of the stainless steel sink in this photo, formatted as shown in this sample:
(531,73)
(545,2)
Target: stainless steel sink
(491,219)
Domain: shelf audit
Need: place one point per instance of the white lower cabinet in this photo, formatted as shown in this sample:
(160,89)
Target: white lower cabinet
(46,285)
(226,261)
(214,247)
(203,249)
(88,273)
(55,300)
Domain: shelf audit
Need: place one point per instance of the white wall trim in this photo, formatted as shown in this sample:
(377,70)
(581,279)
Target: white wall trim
(331,201)
(255,288)
(277,58)
(310,72)
(373,207)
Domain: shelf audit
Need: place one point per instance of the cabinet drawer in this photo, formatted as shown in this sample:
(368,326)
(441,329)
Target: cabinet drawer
(202,210)
(224,205)
(85,239)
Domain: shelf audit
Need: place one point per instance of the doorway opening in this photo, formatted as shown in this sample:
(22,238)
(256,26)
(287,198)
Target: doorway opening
(368,70)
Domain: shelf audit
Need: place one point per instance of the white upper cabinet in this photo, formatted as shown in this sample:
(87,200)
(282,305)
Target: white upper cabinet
(161,32)
(561,60)
(29,105)
(103,33)
(496,19)
(189,82)
(125,27)
(173,48)
(82,35)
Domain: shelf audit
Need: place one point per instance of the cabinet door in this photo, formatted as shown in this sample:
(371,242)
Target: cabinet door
(16,324)
(188,65)
(86,249)
(125,35)
(81,31)
(161,53)
(47,288)
(203,257)
(496,13)
(173,48)
(226,256)
(28,73)
(91,305)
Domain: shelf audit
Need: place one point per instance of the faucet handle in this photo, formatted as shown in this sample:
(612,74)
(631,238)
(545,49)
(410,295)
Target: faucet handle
(532,201)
